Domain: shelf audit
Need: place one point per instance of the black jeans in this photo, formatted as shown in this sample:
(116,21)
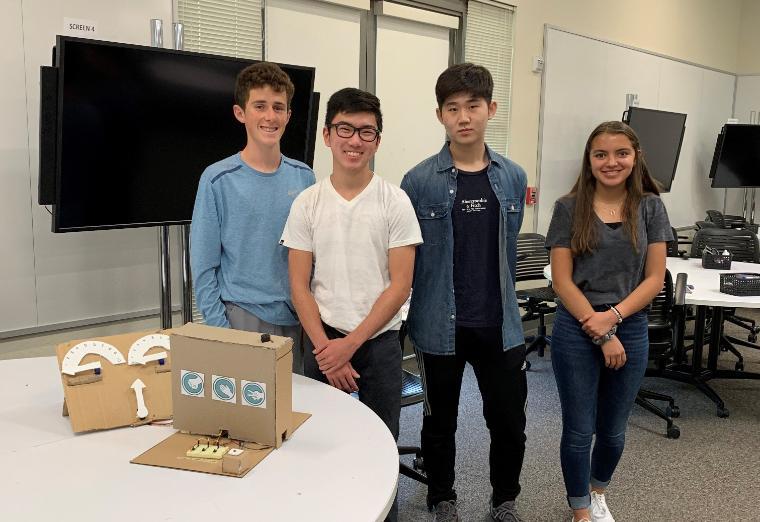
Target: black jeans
(378,361)
(504,388)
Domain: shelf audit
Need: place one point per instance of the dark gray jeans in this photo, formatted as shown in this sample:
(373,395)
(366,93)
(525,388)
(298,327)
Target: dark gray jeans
(378,361)
(241,319)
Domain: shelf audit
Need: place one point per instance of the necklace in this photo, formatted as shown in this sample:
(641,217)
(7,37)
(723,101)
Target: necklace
(612,210)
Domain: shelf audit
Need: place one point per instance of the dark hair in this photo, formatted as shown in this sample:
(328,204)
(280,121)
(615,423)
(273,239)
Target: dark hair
(640,182)
(350,101)
(259,75)
(472,79)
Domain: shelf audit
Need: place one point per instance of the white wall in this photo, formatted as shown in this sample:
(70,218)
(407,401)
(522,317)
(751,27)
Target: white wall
(329,37)
(747,107)
(700,31)
(749,38)
(17,284)
(410,57)
(586,83)
(58,278)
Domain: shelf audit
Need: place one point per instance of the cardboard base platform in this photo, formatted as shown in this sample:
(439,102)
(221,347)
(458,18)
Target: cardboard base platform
(171,453)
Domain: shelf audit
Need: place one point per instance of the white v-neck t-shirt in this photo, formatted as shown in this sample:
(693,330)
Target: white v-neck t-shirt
(349,241)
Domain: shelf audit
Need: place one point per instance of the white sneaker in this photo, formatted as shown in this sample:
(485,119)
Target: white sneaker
(599,510)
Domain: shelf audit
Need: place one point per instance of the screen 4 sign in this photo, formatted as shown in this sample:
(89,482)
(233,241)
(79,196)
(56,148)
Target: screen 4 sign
(79,27)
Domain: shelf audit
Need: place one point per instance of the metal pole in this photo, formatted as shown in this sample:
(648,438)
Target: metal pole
(187,286)
(184,230)
(164,273)
(752,208)
(164,262)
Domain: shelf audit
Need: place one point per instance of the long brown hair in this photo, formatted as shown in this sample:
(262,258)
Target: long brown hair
(640,182)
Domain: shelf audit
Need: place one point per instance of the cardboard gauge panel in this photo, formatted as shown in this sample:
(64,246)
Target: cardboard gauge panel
(110,396)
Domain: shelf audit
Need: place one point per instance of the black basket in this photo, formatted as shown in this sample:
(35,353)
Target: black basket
(718,261)
(740,283)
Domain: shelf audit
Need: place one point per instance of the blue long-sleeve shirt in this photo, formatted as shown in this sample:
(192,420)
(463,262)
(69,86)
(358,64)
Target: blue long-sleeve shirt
(235,255)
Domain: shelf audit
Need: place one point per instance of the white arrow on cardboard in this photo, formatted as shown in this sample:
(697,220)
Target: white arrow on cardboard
(142,410)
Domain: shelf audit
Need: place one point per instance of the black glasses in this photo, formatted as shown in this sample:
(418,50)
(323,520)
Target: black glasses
(346,130)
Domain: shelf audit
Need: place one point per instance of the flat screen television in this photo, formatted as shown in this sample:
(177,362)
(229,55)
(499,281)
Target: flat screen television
(736,163)
(134,127)
(661,135)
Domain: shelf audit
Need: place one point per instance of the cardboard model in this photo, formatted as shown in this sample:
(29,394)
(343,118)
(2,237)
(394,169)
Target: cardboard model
(120,380)
(231,391)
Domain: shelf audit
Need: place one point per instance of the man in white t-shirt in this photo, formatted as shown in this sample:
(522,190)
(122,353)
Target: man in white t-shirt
(359,233)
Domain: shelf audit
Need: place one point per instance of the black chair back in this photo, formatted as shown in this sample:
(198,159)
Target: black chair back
(660,310)
(672,246)
(742,243)
(532,257)
(716,217)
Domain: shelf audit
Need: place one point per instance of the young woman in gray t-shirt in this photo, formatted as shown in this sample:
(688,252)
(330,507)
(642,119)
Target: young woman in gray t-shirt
(607,240)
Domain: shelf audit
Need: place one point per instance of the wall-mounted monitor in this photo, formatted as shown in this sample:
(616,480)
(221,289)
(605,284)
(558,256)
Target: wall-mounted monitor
(736,163)
(135,127)
(661,135)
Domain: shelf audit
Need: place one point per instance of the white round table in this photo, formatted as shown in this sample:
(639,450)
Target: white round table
(341,464)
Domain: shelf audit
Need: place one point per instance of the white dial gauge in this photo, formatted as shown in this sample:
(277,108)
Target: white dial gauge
(71,361)
(138,349)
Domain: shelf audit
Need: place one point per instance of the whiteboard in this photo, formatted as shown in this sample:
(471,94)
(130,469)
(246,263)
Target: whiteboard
(585,82)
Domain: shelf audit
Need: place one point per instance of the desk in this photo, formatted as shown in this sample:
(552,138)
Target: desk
(342,464)
(706,294)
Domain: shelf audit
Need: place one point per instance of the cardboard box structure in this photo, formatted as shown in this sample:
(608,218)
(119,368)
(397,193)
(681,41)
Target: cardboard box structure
(114,381)
(232,383)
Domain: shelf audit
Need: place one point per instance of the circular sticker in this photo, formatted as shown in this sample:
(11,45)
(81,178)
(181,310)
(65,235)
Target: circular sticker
(254,394)
(192,383)
(224,388)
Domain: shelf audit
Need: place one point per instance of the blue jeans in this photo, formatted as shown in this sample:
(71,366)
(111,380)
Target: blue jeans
(595,400)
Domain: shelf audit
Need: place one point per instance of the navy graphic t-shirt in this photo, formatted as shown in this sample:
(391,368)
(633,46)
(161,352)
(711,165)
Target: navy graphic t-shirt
(476,216)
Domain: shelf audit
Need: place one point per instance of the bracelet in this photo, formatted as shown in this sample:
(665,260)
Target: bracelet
(618,314)
(606,337)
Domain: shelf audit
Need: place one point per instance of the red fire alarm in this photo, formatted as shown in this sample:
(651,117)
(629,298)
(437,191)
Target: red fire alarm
(530,195)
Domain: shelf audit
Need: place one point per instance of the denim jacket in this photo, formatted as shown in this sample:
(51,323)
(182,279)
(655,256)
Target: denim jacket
(432,187)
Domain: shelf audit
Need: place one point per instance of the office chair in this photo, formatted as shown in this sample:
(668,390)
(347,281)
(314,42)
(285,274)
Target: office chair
(665,315)
(705,224)
(725,220)
(532,257)
(673,247)
(743,245)
(411,393)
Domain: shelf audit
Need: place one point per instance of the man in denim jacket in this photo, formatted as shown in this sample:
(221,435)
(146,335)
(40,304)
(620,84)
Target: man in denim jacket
(469,203)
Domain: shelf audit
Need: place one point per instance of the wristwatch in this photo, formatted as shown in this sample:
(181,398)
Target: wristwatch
(604,338)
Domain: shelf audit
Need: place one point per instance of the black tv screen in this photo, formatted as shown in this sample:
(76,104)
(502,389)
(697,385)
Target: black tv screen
(737,156)
(661,134)
(136,126)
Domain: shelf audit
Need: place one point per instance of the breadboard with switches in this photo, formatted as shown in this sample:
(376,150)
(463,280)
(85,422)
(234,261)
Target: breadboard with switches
(207,451)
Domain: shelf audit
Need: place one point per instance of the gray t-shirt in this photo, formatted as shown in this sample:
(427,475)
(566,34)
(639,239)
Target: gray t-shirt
(614,269)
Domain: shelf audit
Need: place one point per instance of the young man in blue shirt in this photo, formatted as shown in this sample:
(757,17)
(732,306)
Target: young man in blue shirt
(469,203)
(240,271)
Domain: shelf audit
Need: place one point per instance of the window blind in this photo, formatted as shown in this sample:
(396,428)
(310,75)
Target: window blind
(489,42)
(223,27)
